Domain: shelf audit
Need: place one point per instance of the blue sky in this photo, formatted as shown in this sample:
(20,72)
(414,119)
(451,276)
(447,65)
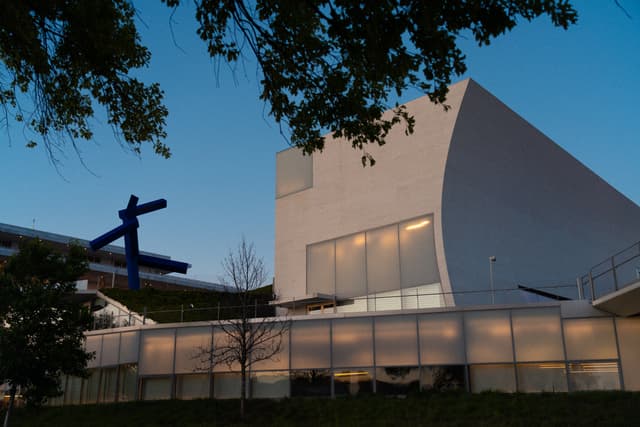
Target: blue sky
(580,87)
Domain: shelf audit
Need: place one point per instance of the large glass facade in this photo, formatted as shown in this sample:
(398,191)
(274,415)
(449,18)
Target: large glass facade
(385,268)
(530,349)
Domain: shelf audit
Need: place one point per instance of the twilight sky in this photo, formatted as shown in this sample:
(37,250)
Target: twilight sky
(579,87)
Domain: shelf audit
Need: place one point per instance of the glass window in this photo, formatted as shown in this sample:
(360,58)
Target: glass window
(541,377)
(227,386)
(91,387)
(488,336)
(193,386)
(590,339)
(537,335)
(276,344)
(492,378)
(441,339)
(128,382)
(222,338)
(156,355)
(310,346)
(629,339)
(594,376)
(311,382)
(129,347)
(443,378)
(94,344)
(271,384)
(110,349)
(321,264)
(418,263)
(190,343)
(108,388)
(158,388)
(294,171)
(397,380)
(352,342)
(393,333)
(383,267)
(351,382)
(73,391)
(350,266)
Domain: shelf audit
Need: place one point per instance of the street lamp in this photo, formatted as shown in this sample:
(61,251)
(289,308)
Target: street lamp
(492,260)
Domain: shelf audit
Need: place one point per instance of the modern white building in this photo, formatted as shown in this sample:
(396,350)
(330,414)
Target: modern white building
(386,273)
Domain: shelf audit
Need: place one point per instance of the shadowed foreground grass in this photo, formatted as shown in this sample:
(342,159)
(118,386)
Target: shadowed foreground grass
(487,409)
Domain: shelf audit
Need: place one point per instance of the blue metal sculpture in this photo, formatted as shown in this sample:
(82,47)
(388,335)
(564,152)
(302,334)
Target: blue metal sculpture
(129,229)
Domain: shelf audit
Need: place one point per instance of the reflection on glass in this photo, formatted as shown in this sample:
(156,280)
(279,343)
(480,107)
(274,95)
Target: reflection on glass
(311,382)
(157,388)
(321,264)
(492,378)
(399,380)
(541,377)
(441,339)
(91,387)
(352,382)
(110,348)
(227,385)
(393,333)
(129,342)
(488,336)
(269,385)
(594,376)
(537,334)
(442,378)
(352,342)
(73,391)
(590,339)
(417,253)
(127,384)
(195,386)
(383,268)
(108,384)
(310,346)
(350,266)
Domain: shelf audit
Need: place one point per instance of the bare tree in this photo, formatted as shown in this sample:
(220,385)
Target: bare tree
(246,340)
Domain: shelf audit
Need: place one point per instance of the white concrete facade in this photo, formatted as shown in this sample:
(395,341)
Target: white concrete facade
(495,185)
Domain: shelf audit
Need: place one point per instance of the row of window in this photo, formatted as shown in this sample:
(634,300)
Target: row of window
(121,384)
(397,256)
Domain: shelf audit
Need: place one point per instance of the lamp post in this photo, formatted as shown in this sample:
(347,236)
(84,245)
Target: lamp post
(492,260)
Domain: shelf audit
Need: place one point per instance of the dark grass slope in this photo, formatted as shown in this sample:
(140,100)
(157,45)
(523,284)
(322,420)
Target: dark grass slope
(166,306)
(487,409)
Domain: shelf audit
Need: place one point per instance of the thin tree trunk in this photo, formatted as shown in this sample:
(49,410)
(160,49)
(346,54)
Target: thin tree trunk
(12,398)
(243,391)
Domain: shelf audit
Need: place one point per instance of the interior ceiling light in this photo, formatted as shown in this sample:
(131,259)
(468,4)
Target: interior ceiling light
(418,225)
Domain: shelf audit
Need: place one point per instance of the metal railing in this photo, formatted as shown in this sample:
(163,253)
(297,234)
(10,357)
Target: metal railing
(614,273)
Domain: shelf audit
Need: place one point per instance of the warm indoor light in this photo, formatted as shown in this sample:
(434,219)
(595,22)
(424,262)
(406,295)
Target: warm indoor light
(350,374)
(418,225)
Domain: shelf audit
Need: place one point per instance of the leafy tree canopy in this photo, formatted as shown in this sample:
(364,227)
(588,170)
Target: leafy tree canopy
(325,65)
(41,327)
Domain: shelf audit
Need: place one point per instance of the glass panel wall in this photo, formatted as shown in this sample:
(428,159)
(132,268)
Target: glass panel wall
(156,351)
(94,344)
(441,339)
(108,384)
(192,386)
(351,382)
(310,344)
(488,336)
(443,378)
(590,339)
(311,382)
(110,349)
(73,391)
(350,266)
(352,342)
(294,172)
(129,342)
(227,385)
(397,380)
(277,346)
(383,267)
(629,340)
(418,264)
(270,384)
(542,377)
(321,264)
(127,382)
(492,378)
(594,376)
(156,388)
(537,335)
(91,387)
(393,333)
(192,346)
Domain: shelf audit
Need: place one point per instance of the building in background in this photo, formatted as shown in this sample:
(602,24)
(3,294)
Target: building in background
(473,206)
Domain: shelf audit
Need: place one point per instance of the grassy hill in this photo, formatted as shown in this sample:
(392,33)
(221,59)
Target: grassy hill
(487,409)
(165,306)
